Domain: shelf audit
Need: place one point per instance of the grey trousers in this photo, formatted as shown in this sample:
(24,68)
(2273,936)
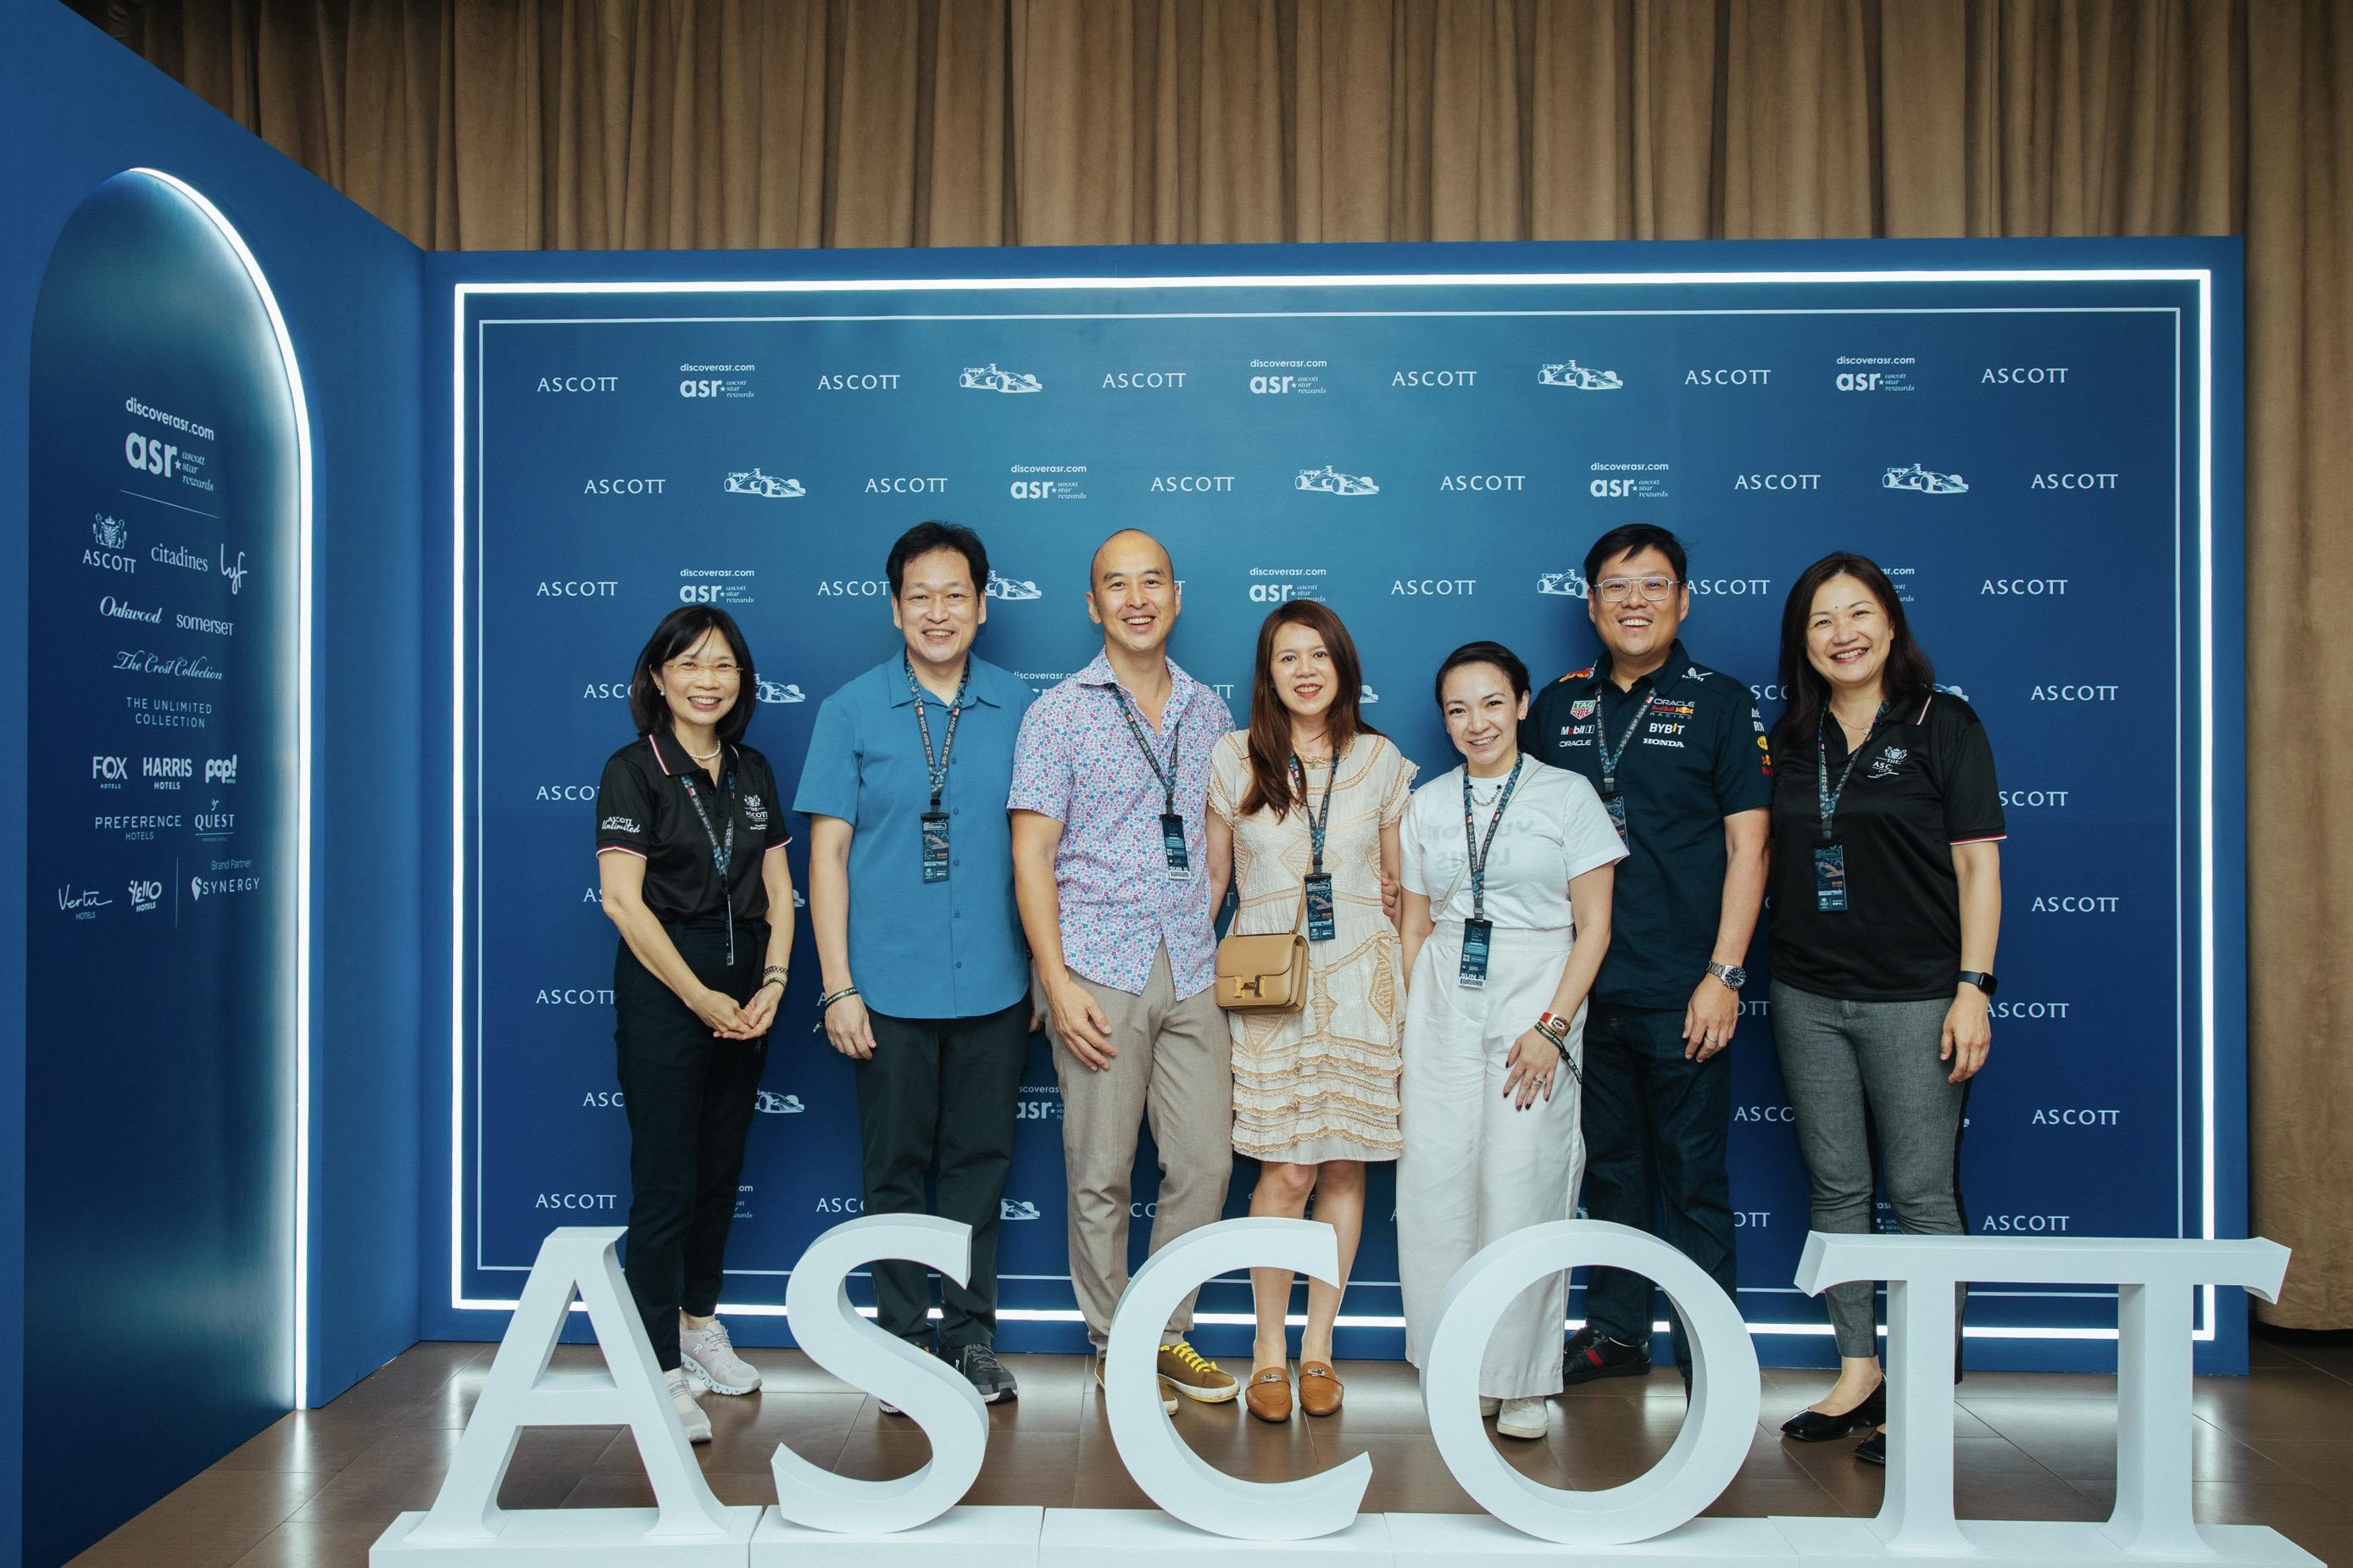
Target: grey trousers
(1837,1060)
(1174,1067)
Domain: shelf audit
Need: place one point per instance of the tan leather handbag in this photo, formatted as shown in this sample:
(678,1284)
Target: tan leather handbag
(1264,973)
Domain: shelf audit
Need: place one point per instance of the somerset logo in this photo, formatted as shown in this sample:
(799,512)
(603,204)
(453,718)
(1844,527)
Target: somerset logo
(780,691)
(774,1104)
(990,378)
(1000,586)
(1580,378)
(1329,480)
(1923,482)
(768,486)
(1567,584)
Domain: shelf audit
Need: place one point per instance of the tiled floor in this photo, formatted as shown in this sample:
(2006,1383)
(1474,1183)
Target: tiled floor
(2276,1447)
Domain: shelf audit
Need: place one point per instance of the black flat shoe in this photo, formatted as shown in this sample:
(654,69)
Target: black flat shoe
(1872,1450)
(1813,1426)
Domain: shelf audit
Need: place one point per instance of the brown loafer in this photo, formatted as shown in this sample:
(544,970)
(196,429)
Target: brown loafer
(1320,1389)
(1269,1394)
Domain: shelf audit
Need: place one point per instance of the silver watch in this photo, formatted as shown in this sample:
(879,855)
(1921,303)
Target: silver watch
(1732,975)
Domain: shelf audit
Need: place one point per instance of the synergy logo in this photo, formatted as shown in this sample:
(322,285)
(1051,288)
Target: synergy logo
(768,1102)
(1576,377)
(201,887)
(1012,589)
(768,486)
(1329,480)
(991,377)
(1923,482)
(779,691)
(1016,1208)
(1567,585)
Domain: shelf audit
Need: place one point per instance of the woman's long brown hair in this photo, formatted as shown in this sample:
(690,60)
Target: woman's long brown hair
(1270,720)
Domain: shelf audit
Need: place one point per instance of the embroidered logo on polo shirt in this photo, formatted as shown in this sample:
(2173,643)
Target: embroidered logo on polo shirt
(755,811)
(1883,766)
(621,824)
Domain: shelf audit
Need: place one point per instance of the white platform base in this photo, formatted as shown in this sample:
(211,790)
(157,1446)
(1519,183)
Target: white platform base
(2017,1543)
(960,1538)
(1460,1539)
(560,1536)
(1090,1537)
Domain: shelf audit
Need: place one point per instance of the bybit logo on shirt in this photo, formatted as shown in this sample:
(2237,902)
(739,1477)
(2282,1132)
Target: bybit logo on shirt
(1886,373)
(1434,378)
(1578,377)
(707,381)
(1734,377)
(579,382)
(1627,482)
(2023,375)
(1143,380)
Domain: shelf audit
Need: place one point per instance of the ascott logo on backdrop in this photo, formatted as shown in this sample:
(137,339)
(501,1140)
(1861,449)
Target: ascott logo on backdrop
(1627,482)
(1433,587)
(1329,480)
(1727,377)
(2073,482)
(572,996)
(112,537)
(1192,484)
(2023,375)
(1483,482)
(1885,373)
(905,485)
(1753,587)
(2034,799)
(546,794)
(622,487)
(579,588)
(991,377)
(1578,377)
(2072,693)
(853,588)
(1291,582)
(1434,378)
(2076,904)
(1776,481)
(579,382)
(1283,377)
(731,585)
(703,380)
(1012,589)
(1062,482)
(858,381)
(1142,380)
(750,481)
(2025,587)
(1923,482)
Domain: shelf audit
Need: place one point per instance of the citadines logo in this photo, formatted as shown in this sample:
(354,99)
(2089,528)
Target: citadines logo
(992,377)
(1578,377)
(767,487)
(1000,586)
(1922,482)
(1329,480)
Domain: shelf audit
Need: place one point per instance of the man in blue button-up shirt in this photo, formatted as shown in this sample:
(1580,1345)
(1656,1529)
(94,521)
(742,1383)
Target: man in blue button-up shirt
(927,976)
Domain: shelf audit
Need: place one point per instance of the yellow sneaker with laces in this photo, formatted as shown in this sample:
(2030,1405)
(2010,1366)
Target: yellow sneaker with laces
(1182,1367)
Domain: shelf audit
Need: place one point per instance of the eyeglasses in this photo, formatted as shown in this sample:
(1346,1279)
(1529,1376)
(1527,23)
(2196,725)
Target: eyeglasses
(1618,590)
(688,669)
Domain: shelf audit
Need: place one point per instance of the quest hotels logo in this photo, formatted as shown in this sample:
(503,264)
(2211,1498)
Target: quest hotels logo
(1923,482)
(579,383)
(1288,380)
(1012,589)
(1070,485)
(768,1102)
(990,378)
(750,481)
(1329,480)
(111,537)
(2023,375)
(1143,380)
(1885,378)
(779,691)
(1727,377)
(1639,482)
(729,585)
(1576,377)
(1290,582)
(709,381)
(1569,584)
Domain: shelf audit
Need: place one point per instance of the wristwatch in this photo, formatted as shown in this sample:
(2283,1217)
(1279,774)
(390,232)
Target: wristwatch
(1732,975)
(1982,979)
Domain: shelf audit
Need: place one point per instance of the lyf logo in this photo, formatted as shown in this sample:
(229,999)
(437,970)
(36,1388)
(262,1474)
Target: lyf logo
(1329,480)
(1016,1208)
(221,770)
(622,487)
(111,769)
(2076,904)
(1000,586)
(1576,377)
(151,456)
(1567,585)
(144,896)
(2073,482)
(768,486)
(234,574)
(590,1203)
(1776,481)
(779,691)
(2060,1117)
(2025,1223)
(1439,587)
(579,382)
(991,378)
(1142,380)
(1727,377)
(768,1102)
(2025,587)
(1434,378)
(1922,482)
(2073,694)
(2023,375)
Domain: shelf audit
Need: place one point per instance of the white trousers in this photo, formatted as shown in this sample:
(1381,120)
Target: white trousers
(1475,1168)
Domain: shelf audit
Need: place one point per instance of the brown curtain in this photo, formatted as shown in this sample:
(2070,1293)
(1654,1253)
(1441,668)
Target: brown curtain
(612,124)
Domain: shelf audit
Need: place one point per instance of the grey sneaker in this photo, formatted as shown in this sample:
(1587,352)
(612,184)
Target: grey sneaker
(689,1410)
(710,1360)
(986,1373)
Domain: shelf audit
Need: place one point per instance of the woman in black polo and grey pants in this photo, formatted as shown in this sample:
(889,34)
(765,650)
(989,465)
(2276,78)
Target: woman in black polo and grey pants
(691,853)
(1887,902)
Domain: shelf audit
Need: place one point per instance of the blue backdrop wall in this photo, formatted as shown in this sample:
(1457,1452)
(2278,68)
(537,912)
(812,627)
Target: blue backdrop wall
(2037,453)
(79,109)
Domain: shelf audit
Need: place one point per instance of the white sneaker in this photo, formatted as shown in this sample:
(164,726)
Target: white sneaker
(1523,1418)
(710,1360)
(1489,1409)
(690,1411)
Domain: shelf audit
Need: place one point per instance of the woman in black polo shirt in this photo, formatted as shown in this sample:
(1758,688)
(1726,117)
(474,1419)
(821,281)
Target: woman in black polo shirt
(1886,902)
(691,852)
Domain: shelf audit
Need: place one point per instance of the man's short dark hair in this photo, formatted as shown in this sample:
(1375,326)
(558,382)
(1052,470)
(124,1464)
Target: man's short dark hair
(1632,538)
(926,537)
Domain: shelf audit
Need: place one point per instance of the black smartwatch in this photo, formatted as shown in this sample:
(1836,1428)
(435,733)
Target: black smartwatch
(1982,979)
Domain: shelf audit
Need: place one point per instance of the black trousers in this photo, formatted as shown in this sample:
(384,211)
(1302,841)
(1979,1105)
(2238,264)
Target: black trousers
(1656,1128)
(941,1090)
(690,1099)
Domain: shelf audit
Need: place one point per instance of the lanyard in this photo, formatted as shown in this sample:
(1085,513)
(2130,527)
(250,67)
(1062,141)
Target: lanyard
(1478,848)
(1609,759)
(1168,777)
(1826,796)
(723,856)
(938,769)
(1316,820)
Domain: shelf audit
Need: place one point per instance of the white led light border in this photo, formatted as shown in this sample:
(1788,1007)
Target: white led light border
(2202,277)
(295,394)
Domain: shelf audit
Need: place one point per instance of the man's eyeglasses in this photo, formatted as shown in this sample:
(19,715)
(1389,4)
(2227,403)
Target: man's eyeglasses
(1619,589)
(688,669)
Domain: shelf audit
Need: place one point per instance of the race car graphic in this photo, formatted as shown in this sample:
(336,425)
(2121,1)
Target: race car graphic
(1568,585)
(1331,481)
(1000,586)
(780,691)
(1577,378)
(989,378)
(1915,477)
(1016,1208)
(752,482)
(775,1104)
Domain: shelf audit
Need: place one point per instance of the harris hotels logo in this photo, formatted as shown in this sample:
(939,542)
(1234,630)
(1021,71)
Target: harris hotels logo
(1329,480)
(1578,377)
(1012,590)
(762,486)
(992,377)
(1923,482)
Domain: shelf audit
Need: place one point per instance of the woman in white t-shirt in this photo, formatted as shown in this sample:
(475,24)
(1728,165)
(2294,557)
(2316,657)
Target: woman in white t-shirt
(1494,1018)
